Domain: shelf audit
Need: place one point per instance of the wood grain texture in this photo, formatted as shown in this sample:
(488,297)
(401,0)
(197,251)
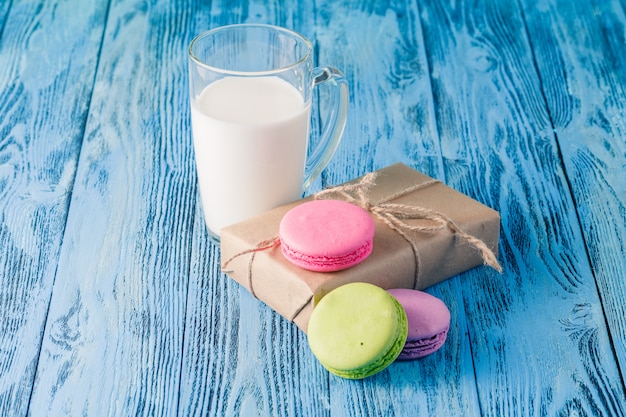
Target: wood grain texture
(392,119)
(495,130)
(113,339)
(4,11)
(111,297)
(47,66)
(583,72)
(380,48)
(240,357)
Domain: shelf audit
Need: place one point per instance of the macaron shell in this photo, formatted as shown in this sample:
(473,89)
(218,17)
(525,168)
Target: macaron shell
(326,263)
(428,322)
(357,330)
(326,235)
(419,348)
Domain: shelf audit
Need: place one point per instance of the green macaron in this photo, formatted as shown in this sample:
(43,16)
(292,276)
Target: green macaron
(357,330)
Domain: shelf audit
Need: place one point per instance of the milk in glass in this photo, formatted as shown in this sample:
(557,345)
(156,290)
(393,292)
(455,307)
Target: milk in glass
(250,139)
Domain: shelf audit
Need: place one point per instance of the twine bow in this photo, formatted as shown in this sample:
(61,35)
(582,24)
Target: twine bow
(394,215)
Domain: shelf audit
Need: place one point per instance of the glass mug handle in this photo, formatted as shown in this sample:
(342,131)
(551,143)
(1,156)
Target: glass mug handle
(334,126)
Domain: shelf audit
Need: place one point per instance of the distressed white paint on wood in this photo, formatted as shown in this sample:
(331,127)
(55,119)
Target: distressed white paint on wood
(47,66)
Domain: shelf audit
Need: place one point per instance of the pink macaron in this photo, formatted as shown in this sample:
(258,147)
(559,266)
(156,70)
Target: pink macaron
(326,235)
(429,321)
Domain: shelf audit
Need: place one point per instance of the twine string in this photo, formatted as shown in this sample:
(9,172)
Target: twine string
(261,246)
(391,214)
(394,214)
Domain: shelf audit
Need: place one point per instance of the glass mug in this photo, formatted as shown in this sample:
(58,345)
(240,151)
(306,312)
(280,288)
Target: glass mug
(250,93)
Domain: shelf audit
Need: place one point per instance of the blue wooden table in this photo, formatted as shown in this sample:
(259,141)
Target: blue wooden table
(112,302)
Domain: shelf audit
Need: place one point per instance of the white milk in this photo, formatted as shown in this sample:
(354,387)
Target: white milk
(250,139)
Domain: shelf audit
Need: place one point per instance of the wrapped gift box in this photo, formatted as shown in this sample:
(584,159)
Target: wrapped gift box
(401,258)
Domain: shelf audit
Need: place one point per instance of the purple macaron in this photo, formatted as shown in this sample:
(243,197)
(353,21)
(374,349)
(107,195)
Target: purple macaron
(429,321)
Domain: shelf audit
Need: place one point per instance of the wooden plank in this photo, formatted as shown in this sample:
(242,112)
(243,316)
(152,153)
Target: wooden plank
(583,72)
(380,46)
(113,339)
(4,11)
(47,67)
(538,336)
(240,357)
(240,371)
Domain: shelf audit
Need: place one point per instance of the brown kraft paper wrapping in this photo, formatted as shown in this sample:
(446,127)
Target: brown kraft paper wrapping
(293,292)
